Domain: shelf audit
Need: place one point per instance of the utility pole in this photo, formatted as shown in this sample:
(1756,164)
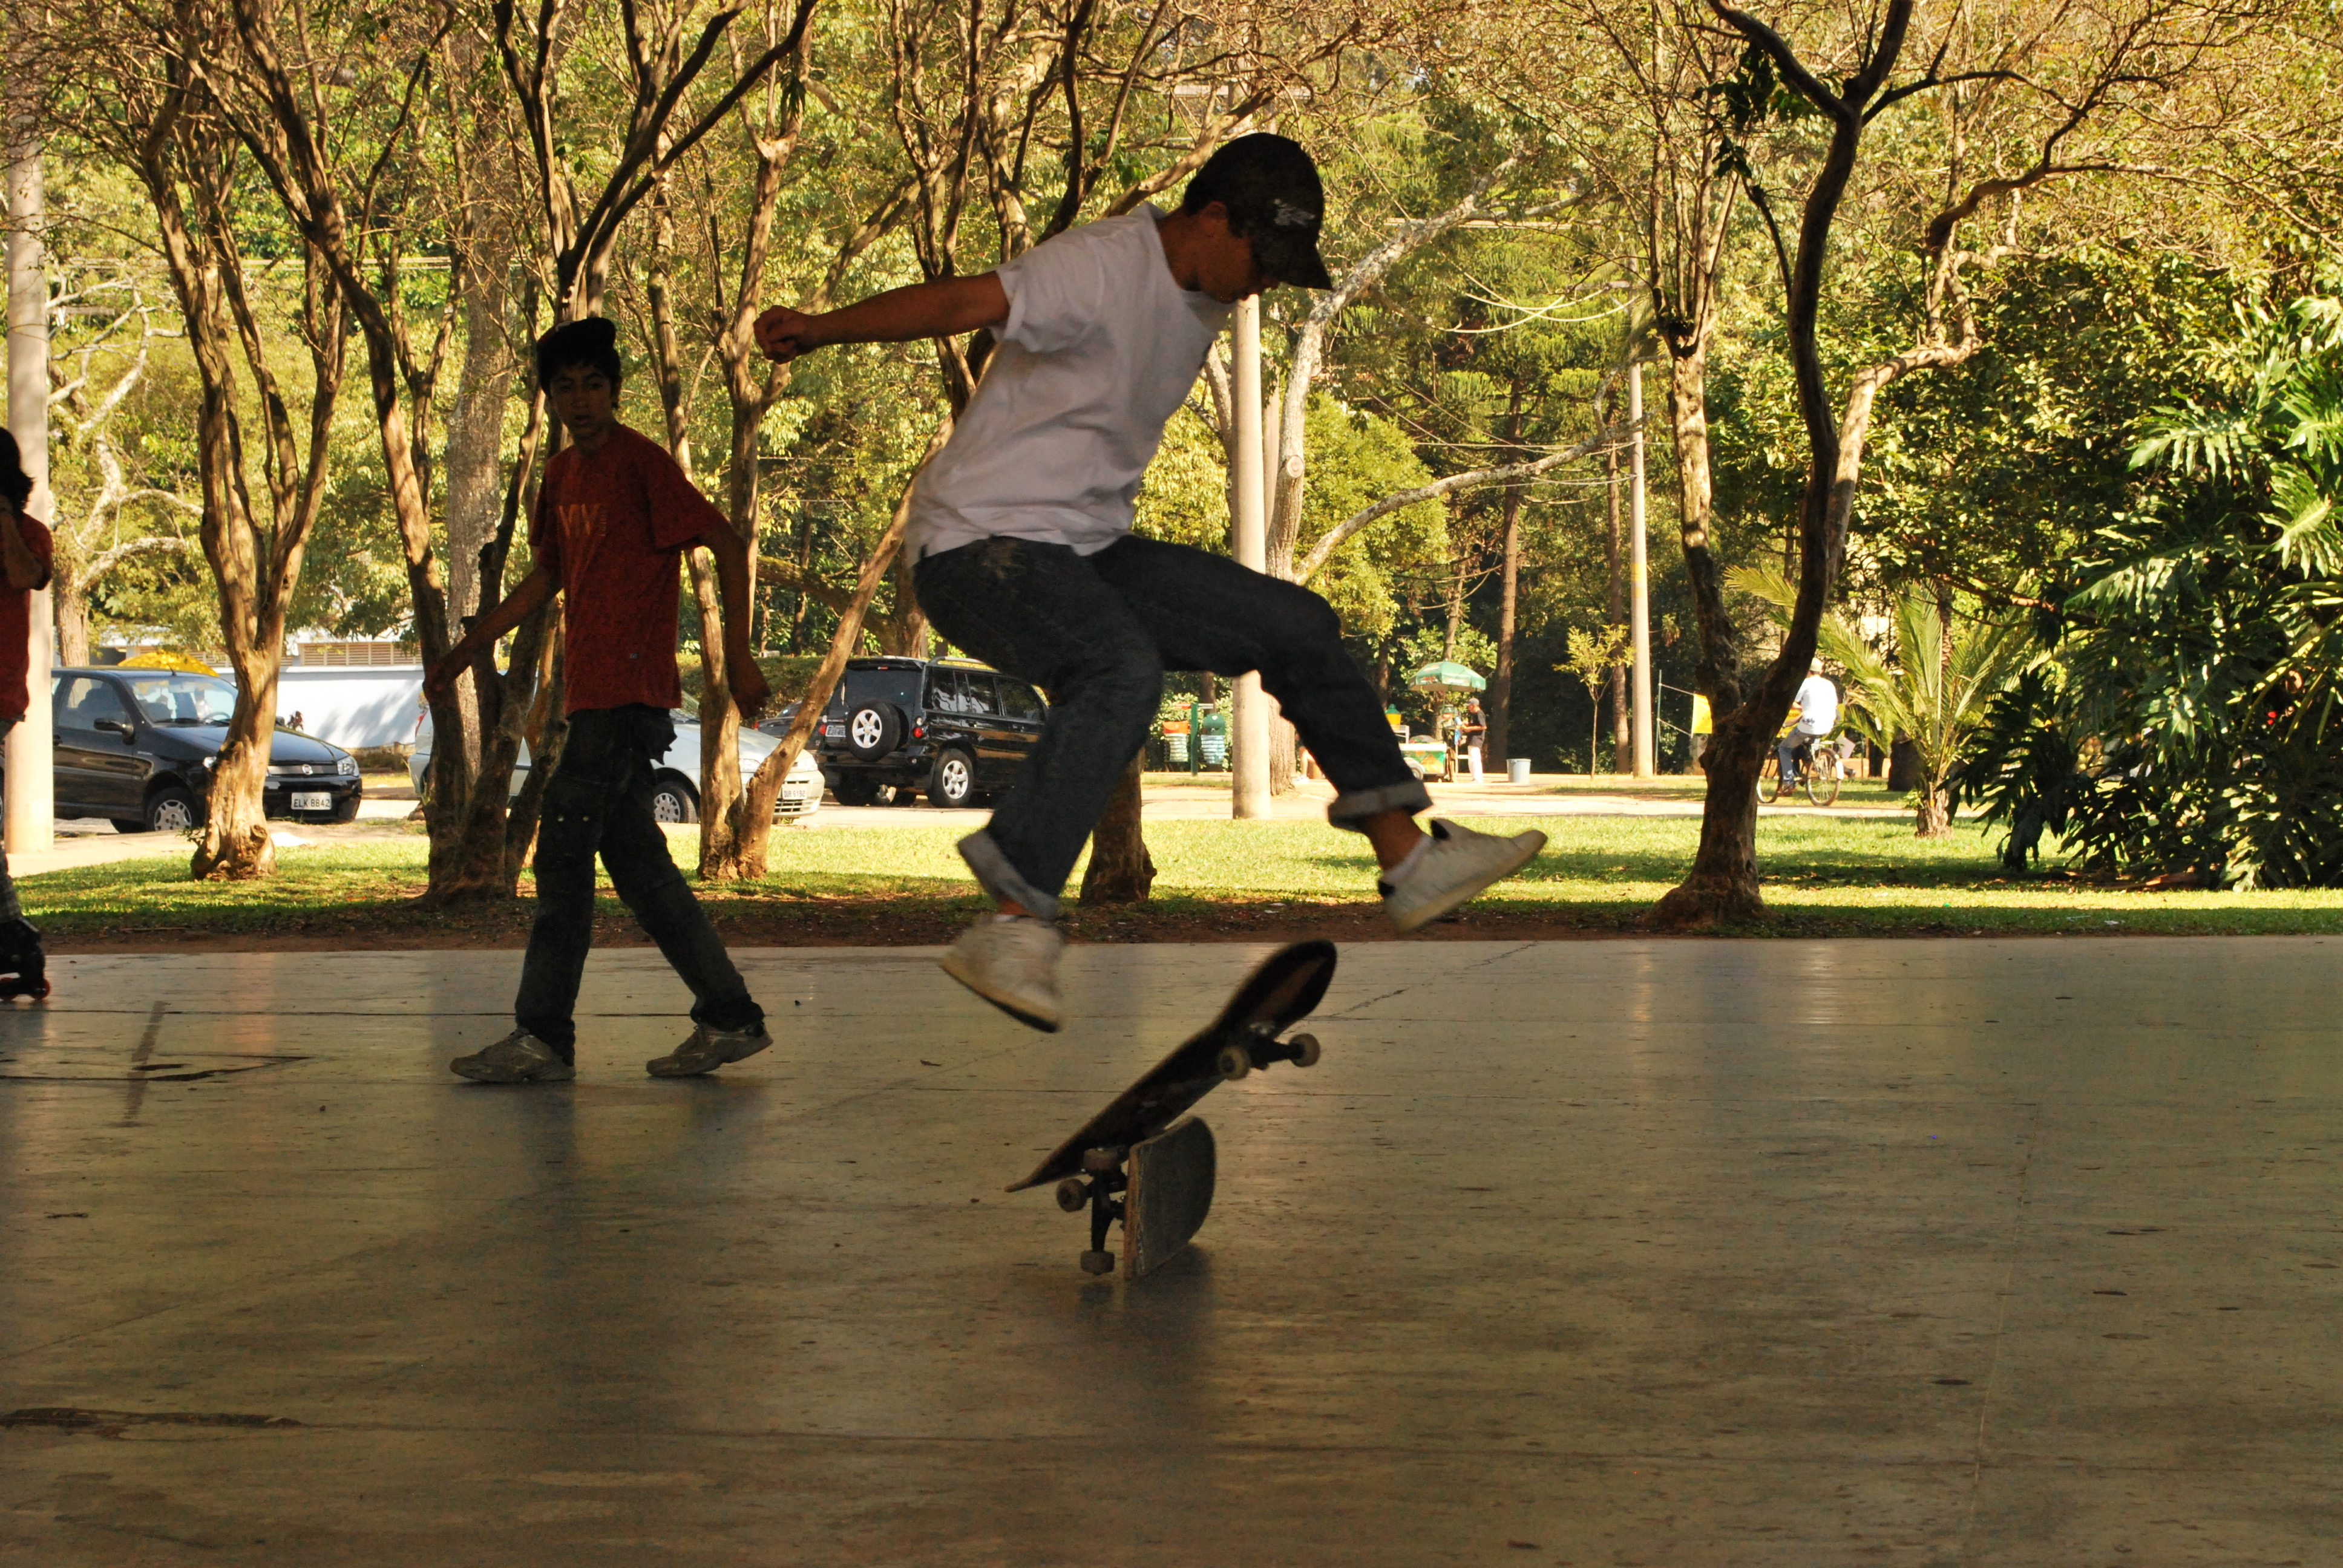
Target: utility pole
(1646,763)
(29,814)
(1248,542)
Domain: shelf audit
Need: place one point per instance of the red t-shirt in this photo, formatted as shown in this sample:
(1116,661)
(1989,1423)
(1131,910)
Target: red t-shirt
(610,525)
(16,622)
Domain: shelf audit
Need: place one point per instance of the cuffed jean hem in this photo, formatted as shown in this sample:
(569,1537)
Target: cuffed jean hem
(1353,806)
(998,878)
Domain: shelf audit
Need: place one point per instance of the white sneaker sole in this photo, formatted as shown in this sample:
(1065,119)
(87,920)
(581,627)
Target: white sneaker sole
(1415,920)
(1019,1008)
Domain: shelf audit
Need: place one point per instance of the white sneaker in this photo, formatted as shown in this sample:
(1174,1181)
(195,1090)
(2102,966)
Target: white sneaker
(1013,965)
(518,1057)
(1450,868)
(708,1050)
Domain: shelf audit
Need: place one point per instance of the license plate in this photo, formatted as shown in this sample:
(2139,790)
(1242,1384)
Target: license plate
(833,731)
(312,801)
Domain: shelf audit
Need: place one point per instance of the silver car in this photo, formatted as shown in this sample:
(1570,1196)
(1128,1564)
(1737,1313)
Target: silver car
(675,779)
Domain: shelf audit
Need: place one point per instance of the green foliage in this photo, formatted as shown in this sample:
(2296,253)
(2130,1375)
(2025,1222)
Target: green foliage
(1935,690)
(2208,621)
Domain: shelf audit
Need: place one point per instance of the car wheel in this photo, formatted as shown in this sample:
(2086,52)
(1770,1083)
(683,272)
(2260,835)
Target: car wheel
(874,729)
(172,810)
(954,780)
(672,800)
(852,790)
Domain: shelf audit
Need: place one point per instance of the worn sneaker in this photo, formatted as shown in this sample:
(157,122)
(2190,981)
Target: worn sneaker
(1013,965)
(518,1057)
(1450,868)
(708,1050)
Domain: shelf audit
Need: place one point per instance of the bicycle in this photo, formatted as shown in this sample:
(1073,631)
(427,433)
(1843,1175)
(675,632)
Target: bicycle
(1821,771)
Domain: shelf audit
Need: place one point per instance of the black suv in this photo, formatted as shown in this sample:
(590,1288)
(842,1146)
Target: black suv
(955,729)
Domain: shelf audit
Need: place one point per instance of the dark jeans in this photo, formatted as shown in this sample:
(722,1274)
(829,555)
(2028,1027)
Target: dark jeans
(1792,752)
(1097,632)
(10,910)
(599,800)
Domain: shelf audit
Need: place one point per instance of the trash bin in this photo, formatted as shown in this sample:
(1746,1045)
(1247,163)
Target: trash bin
(1517,770)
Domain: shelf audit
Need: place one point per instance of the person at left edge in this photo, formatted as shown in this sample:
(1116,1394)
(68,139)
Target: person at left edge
(24,561)
(613,517)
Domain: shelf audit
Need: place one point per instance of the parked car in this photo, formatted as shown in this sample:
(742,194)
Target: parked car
(675,779)
(953,728)
(139,745)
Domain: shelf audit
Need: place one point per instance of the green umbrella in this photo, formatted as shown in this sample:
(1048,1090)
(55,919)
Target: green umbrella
(1446,676)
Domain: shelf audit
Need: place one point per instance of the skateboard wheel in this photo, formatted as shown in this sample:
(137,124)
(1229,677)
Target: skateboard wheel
(1073,1194)
(1097,1263)
(1305,1050)
(1101,1161)
(1235,1061)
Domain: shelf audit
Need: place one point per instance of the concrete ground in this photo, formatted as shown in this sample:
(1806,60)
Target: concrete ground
(1671,1253)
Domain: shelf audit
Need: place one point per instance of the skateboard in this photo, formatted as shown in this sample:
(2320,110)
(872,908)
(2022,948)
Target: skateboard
(1138,1161)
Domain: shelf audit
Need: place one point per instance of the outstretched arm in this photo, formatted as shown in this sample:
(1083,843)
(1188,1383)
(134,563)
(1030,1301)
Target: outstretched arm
(523,602)
(945,308)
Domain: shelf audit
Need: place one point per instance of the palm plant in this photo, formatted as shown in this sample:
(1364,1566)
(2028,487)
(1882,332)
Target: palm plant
(1951,660)
(2208,619)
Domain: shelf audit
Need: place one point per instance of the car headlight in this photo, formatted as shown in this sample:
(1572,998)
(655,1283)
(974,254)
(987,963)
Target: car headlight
(347,767)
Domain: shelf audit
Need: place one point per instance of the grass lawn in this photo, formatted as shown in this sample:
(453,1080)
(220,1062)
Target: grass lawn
(1824,877)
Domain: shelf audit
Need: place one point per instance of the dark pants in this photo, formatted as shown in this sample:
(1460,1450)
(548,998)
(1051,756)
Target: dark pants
(599,800)
(1097,632)
(10,910)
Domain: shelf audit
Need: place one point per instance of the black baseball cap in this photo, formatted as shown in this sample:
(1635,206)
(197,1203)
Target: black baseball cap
(1274,198)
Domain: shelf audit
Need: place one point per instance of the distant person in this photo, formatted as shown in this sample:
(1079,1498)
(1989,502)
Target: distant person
(1471,732)
(614,516)
(26,555)
(1813,715)
(1024,555)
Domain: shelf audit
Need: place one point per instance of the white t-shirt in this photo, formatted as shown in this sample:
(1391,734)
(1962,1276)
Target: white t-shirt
(1818,706)
(1101,348)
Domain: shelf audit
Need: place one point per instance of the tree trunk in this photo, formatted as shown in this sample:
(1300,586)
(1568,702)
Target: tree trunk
(1121,871)
(1499,741)
(233,843)
(1622,740)
(1934,809)
(476,429)
(1723,885)
(73,617)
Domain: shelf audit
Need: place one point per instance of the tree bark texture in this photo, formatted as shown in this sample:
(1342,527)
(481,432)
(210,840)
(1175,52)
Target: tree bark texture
(1622,740)
(1121,870)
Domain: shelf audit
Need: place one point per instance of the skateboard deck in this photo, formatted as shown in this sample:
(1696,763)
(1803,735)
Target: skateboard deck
(1089,1166)
(1170,1191)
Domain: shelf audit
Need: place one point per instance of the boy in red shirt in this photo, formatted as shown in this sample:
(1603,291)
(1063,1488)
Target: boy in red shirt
(25,560)
(615,514)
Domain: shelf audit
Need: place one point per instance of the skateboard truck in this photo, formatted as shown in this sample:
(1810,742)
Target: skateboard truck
(1237,1060)
(1103,1169)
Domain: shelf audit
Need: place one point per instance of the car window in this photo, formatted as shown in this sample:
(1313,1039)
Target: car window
(947,692)
(898,685)
(88,699)
(981,695)
(184,698)
(1019,700)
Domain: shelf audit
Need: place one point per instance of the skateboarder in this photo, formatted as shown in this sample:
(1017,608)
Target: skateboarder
(1020,535)
(24,561)
(614,516)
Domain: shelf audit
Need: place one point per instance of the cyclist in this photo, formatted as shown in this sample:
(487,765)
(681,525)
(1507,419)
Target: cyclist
(1813,715)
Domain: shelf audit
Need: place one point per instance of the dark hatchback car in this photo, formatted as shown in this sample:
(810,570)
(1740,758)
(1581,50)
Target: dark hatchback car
(137,746)
(954,730)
